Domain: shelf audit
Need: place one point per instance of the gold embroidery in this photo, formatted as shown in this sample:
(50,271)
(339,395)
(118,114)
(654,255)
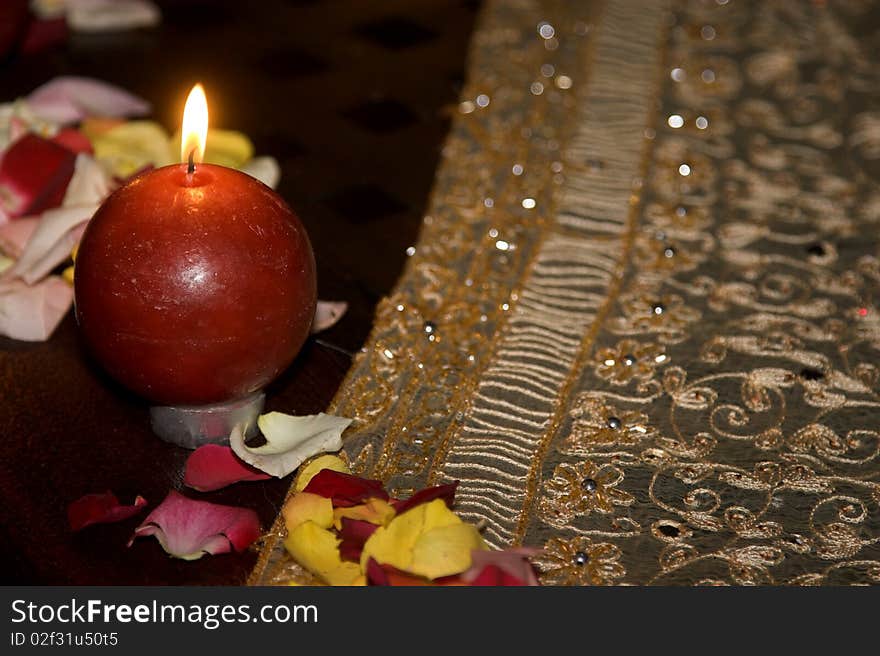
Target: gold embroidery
(662,368)
(579,561)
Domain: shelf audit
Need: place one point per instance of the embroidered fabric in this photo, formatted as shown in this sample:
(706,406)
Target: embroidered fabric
(640,325)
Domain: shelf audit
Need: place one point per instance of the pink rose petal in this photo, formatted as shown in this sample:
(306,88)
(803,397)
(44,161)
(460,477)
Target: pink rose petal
(213,466)
(70,99)
(189,529)
(58,231)
(32,312)
(513,561)
(111,15)
(15,235)
(100,508)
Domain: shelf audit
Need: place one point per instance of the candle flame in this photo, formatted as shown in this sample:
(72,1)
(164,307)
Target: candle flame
(195,125)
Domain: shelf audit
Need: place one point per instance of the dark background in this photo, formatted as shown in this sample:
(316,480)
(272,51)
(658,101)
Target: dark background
(354,99)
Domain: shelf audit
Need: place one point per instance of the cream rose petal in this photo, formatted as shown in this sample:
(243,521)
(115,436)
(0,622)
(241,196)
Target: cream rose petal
(290,441)
(265,169)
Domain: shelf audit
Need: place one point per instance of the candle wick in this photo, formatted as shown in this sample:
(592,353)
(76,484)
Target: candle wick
(191,166)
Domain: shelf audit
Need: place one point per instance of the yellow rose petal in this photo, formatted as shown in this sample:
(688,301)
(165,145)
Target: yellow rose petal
(445,550)
(305,507)
(393,544)
(5,262)
(347,573)
(67,274)
(316,549)
(438,514)
(224,147)
(93,127)
(131,146)
(375,511)
(309,469)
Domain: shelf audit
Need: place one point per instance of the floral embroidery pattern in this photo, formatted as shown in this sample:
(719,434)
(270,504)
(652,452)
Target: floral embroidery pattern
(579,561)
(629,360)
(598,424)
(578,490)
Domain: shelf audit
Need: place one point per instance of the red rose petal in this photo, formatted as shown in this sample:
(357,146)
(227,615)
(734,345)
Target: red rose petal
(213,466)
(43,34)
(34,174)
(100,509)
(14,17)
(189,529)
(73,140)
(492,575)
(387,575)
(345,490)
(354,533)
(445,492)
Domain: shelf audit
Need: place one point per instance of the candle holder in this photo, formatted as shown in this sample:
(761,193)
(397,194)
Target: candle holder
(192,426)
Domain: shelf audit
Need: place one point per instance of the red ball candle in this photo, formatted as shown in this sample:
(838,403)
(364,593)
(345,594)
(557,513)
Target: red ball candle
(194,284)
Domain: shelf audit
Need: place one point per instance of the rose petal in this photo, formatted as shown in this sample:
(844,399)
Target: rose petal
(95,126)
(387,575)
(90,185)
(289,441)
(58,231)
(5,263)
(354,533)
(265,169)
(315,548)
(100,509)
(376,511)
(492,575)
(74,140)
(42,35)
(327,313)
(32,312)
(445,550)
(111,15)
(315,465)
(131,146)
(445,492)
(224,147)
(46,9)
(15,235)
(189,529)
(305,507)
(14,17)
(345,489)
(212,466)
(34,174)
(513,562)
(70,99)
(394,544)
